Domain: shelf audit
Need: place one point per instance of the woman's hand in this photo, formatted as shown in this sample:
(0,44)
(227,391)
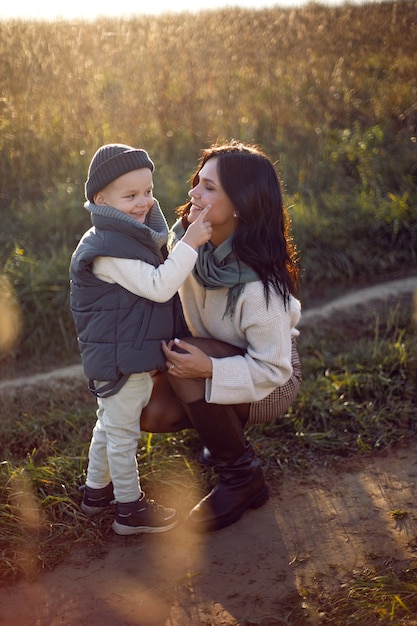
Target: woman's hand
(191,362)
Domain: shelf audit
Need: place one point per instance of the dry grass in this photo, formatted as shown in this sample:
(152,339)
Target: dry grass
(330,95)
(357,396)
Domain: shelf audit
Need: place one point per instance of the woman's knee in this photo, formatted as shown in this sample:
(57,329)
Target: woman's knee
(214,347)
(188,389)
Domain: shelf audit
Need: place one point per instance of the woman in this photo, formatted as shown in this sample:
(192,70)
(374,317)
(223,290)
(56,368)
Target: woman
(241,366)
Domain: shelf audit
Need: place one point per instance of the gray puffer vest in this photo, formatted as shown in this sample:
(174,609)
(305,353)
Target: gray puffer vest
(119,333)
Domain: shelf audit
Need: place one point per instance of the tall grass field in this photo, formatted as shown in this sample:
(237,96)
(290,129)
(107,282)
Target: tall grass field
(330,94)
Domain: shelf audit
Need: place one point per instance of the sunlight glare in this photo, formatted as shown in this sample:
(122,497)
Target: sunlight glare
(46,10)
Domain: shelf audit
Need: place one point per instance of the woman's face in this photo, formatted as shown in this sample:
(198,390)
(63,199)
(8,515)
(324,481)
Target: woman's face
(209,191)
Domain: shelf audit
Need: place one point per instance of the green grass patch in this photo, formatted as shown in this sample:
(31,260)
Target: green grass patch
(358,395)
(331,99)
(376,597)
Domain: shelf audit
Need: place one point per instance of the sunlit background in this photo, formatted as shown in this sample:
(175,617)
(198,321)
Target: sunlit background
(28,9)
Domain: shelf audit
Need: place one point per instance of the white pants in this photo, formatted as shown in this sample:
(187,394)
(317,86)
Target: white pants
(113,447)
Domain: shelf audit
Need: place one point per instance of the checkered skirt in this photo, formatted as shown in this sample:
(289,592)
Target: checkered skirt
(278,402)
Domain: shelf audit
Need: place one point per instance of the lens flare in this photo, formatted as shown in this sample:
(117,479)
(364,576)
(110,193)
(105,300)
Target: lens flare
(10,319)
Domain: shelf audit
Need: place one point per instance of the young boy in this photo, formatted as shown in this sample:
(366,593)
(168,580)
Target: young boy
(124,302)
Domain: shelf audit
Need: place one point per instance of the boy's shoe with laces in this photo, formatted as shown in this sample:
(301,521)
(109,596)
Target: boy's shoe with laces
(143,516)
(97,500)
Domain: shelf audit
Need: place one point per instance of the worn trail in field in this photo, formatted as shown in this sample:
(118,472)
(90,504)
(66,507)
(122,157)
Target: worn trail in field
(312,535)
(314,532)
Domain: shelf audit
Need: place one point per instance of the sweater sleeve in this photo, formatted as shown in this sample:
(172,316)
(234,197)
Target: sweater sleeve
(266,363)
(158,284)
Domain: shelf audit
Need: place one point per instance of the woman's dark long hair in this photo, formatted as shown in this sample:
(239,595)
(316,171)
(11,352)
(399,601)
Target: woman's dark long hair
(262,238)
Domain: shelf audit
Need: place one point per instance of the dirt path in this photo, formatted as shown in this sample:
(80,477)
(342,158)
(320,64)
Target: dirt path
(312,534)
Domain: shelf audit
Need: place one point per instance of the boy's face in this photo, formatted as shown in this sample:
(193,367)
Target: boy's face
(130,193)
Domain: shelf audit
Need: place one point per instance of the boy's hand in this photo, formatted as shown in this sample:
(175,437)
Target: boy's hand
(199,232)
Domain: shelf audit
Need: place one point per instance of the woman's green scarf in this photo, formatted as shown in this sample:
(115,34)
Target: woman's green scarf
(219,267)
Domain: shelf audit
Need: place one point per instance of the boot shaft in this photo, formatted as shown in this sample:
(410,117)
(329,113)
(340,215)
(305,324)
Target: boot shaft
(219,428)
(241,485)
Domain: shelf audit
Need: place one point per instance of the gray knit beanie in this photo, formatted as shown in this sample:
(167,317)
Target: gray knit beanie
(112,161)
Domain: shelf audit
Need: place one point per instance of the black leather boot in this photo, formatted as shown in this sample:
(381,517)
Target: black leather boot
(241,483)
(204,457)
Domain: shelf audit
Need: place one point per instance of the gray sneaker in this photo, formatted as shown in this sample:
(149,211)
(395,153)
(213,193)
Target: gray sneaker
(143,516)
(97,500)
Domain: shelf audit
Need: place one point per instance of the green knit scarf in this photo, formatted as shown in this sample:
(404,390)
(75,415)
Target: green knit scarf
(219,267)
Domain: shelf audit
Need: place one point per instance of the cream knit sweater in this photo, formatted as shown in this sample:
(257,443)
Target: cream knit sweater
(264,333)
